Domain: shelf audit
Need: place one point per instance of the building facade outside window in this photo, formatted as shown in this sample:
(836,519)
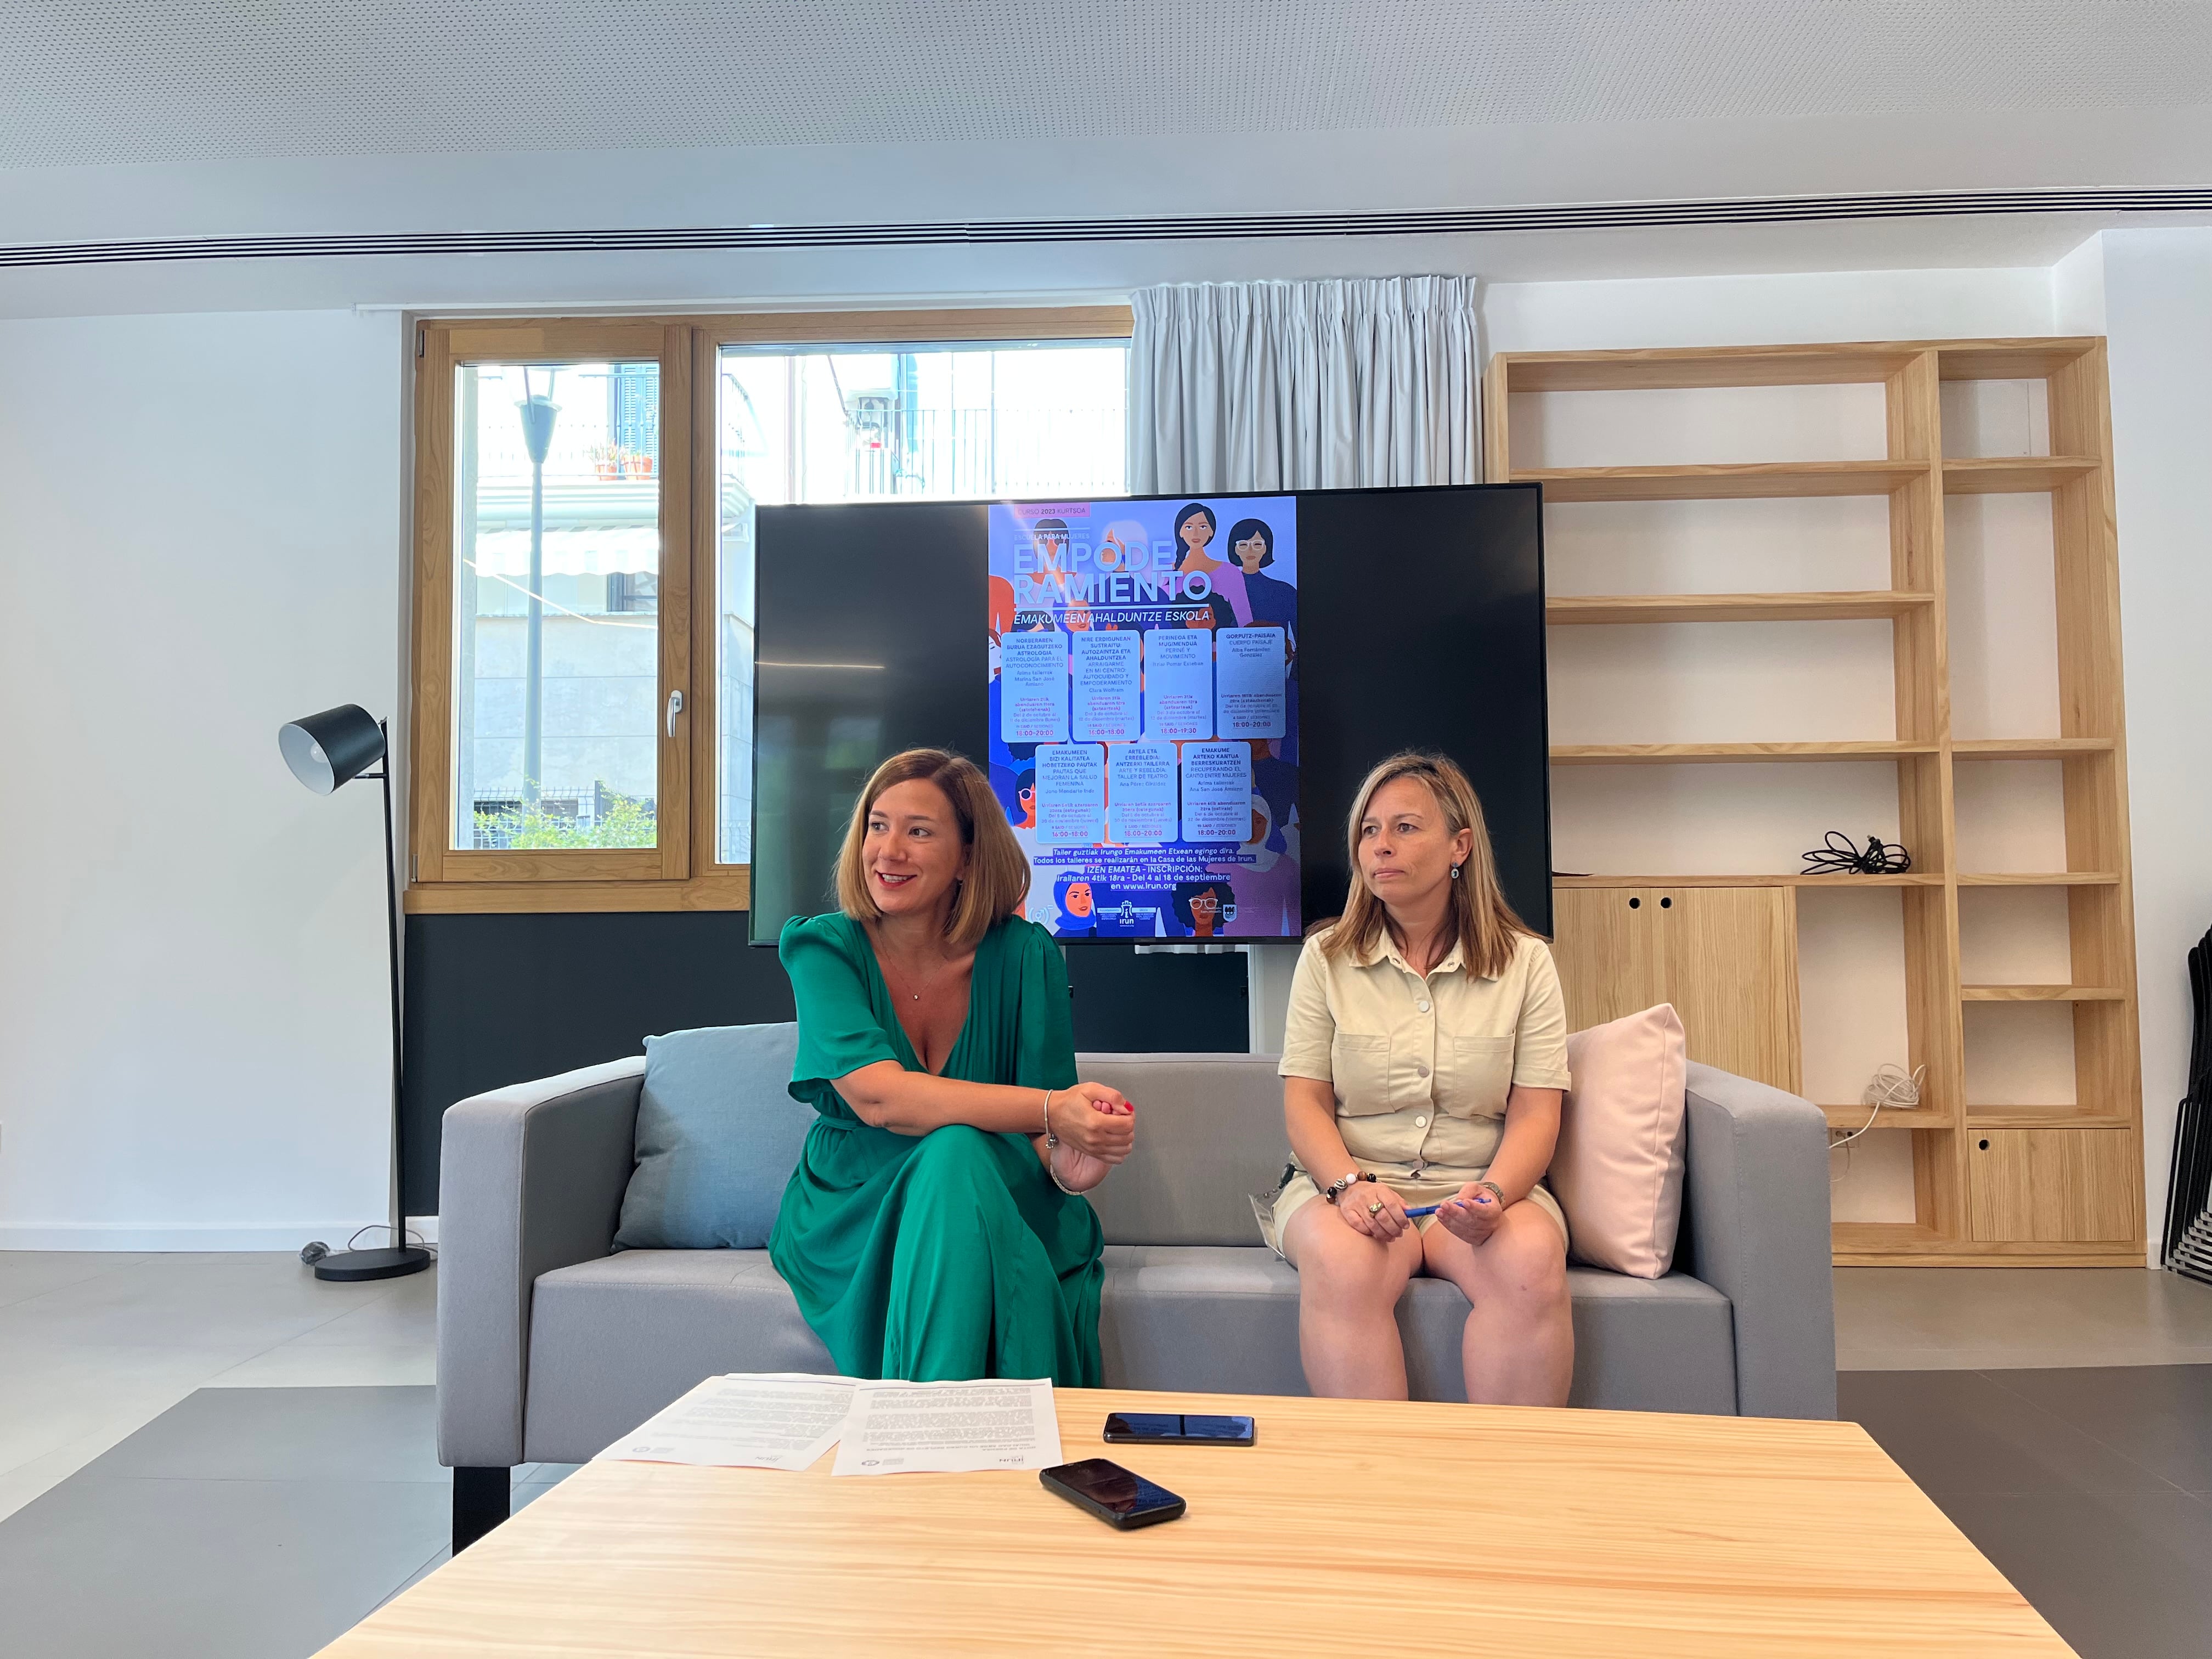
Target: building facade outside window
(863,424)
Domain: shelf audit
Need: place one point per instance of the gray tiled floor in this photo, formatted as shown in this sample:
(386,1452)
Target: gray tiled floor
(270,1510)
(94,1346)
(1993,1318)
(246,1523)
(239,1524)
(2091,1489)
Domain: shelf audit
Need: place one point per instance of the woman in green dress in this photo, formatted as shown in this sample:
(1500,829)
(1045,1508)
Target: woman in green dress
(934,1228)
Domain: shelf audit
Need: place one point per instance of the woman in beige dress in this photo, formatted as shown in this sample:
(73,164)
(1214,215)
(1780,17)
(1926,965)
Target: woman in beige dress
(1424,1063)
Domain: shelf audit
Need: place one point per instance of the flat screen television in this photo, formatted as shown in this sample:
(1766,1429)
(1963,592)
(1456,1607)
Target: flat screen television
(1176,696)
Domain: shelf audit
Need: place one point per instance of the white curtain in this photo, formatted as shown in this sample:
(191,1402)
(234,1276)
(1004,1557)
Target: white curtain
(1329,384)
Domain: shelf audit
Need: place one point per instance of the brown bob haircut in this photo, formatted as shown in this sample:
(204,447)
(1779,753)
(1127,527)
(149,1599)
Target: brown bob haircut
(997,879)
(1487,931)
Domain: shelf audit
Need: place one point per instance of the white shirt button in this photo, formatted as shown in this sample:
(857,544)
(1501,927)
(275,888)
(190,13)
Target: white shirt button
(1420,1123)
(1420,1071)
(1423,1007)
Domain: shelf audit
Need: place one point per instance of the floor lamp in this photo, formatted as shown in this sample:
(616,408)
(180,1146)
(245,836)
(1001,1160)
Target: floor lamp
(324,751)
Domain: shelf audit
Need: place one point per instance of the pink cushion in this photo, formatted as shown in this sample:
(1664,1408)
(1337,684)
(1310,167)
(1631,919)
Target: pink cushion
(1617,1171)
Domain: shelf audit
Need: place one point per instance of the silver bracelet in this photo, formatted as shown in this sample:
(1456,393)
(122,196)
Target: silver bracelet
(1052,1140)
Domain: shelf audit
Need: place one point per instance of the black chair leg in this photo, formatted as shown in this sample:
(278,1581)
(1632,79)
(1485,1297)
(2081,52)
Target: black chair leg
(480,1502)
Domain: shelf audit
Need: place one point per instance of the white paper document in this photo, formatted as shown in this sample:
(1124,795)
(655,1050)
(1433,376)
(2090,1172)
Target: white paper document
(900,1428)
(759,1420)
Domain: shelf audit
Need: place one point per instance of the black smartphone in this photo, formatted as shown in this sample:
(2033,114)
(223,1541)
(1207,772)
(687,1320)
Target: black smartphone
(1175,1429)
(1119,1496)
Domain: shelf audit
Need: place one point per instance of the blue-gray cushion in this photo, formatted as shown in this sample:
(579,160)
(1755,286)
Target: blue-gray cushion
(718,1135)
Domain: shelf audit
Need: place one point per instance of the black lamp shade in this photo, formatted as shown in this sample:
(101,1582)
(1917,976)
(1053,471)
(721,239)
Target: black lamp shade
(334,747)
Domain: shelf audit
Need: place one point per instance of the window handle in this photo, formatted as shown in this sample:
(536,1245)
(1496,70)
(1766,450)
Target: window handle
(675,707)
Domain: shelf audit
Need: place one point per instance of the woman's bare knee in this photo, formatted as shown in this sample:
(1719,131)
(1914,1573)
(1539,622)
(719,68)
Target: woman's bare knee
(1336,1264)
(1526,1260)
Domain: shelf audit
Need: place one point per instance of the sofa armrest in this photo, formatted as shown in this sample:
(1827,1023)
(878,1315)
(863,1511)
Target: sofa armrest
(1756,1209)
(531,1179)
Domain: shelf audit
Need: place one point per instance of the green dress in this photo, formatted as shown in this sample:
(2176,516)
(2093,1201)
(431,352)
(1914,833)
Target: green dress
(951,1255)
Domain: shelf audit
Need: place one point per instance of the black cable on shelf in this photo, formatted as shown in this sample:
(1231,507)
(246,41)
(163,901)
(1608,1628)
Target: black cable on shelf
(1841,856)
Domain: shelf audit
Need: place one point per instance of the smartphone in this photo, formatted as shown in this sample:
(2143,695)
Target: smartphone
(1119,1496)
(1175,1429)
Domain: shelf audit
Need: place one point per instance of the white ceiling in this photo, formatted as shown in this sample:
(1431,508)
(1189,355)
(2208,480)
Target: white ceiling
(192,118)
(85,83)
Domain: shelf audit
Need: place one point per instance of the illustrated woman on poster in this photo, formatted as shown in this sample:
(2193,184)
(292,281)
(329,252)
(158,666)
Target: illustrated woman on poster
(1123,547)
(1274,604)
(1079,914)
(1271,601)
(1206,908)
(1195,527)
(1213,612)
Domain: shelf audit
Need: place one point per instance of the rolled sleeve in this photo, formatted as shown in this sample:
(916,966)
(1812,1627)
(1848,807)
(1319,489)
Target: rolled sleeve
(839,1029)
(1308,1028)
(1045,1055)
(1540,1037)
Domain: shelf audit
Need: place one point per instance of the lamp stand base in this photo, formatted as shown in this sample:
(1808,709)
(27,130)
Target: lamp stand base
(347,1265)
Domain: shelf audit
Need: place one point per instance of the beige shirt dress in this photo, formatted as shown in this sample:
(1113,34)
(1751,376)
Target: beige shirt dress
(1421,1066)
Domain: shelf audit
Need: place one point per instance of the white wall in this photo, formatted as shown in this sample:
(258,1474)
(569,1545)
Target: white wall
(2157,294)
(203,535)
(200,540)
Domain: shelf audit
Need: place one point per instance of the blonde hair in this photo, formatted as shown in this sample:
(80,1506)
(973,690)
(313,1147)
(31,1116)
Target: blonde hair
(997,879)
(1478,918)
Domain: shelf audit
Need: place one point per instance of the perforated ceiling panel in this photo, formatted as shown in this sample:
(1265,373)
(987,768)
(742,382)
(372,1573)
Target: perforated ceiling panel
(82,82)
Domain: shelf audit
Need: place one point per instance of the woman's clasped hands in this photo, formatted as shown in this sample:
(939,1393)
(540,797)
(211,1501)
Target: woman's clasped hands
(1096,1127)
(1370,1209)
(1379,1212)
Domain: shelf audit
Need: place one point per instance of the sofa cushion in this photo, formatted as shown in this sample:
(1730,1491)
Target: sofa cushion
(718,1135)
(1618,1169)
(1209,1134)
(1226,1322)
(613,1340)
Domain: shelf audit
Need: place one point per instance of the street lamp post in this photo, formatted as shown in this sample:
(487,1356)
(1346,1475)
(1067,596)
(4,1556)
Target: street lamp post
(538,411)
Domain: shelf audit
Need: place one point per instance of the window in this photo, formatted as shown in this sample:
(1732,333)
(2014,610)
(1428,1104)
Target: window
(862,423)
(578,741)
(555,690)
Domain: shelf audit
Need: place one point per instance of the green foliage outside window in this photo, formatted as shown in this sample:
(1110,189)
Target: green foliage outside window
(628,822)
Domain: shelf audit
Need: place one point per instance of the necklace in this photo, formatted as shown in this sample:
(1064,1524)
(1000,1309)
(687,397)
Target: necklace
(928,981)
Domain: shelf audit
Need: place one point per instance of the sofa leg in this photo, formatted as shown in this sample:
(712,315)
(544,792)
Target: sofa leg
(480,1502)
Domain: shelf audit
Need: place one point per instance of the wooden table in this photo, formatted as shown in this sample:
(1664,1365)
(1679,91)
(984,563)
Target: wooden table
(1376,1529)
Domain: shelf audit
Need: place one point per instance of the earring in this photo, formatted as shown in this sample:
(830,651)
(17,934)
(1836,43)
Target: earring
(1454,872)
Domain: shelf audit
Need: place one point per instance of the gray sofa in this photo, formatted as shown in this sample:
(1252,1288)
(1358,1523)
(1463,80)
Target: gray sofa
(552,1345)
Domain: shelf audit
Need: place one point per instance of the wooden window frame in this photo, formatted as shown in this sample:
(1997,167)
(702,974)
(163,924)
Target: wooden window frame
(681,872)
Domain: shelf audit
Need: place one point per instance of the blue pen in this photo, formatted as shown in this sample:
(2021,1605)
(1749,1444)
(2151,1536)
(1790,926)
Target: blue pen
(1431,1209)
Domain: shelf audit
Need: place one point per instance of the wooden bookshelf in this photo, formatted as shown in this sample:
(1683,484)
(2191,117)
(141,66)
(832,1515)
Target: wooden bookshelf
(1906,879)
(2047,878)
(2041,993)
(1561,610)
(2010,475)
(1632,754)
(1994,1184)
(1751,481)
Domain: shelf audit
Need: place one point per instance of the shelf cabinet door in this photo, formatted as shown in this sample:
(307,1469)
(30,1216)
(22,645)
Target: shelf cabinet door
(2054,1186)
(1605,945)
(1732,975)
(1725,956)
